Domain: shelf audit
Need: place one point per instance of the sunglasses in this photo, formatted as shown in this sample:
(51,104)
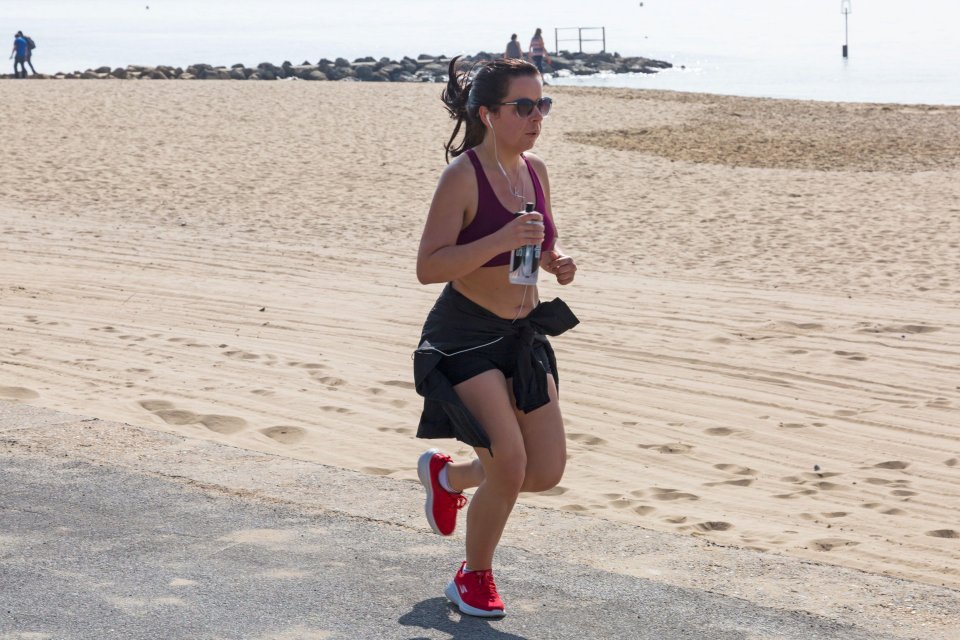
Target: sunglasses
(525,106)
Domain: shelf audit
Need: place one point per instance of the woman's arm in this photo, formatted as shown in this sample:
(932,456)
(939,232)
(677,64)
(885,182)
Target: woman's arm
(440,258)
(553,261)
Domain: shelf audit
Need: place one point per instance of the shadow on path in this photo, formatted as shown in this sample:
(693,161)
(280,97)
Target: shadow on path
(440,614)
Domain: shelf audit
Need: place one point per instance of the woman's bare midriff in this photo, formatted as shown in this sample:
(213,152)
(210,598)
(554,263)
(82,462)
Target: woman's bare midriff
(490,288)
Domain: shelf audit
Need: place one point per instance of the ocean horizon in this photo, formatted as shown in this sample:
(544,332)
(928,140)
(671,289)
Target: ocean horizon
(788,49)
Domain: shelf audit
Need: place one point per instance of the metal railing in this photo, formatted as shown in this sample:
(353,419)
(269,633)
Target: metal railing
(579,39)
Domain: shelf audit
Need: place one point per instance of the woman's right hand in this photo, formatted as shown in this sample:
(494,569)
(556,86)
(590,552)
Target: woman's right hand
(520,231)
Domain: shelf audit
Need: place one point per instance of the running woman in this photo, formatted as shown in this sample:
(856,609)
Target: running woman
(484,366)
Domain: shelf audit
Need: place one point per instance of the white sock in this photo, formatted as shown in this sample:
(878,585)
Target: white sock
(445,481)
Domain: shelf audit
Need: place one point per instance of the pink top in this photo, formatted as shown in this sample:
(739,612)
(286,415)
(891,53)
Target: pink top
(492,216)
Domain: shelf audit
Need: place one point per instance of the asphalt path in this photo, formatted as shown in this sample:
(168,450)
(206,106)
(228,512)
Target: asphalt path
(89,550)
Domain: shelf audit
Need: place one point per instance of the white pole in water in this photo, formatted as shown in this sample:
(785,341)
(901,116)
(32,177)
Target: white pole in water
(846,11)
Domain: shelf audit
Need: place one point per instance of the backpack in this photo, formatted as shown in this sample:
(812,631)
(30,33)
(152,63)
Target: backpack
(31,45)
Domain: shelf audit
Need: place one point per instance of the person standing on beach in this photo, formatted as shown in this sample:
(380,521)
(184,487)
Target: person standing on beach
(538,50)
(513,48)
(19,54)
(484,366)
(31,45)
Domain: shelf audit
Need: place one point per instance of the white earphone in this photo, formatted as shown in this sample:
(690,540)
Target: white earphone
(489,122)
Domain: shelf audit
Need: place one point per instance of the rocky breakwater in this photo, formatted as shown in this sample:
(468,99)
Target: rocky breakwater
(425,68)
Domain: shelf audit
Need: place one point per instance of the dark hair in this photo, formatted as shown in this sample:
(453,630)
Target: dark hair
(484,84)
(513,36)
(538,33)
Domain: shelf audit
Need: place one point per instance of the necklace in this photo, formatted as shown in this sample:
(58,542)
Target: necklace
(515,192)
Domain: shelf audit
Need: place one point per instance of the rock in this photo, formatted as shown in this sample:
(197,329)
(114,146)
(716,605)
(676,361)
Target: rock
(341,62)
(156,74)
(316,74)
(364,71)
(237,74)
(367,59)
(425,56)
(103,70)
(119,73)
(88,75)
(403,76)
(340,73)
(187,76)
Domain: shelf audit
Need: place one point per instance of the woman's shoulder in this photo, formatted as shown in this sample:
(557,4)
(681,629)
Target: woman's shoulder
(459,173)
(537,162)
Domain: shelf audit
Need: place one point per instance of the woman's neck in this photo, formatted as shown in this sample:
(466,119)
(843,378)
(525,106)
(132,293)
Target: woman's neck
(491,154)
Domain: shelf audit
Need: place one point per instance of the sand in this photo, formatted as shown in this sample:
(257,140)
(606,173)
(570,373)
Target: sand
(769,354)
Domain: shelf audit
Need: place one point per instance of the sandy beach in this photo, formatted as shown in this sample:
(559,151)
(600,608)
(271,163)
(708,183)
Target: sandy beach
(769,354)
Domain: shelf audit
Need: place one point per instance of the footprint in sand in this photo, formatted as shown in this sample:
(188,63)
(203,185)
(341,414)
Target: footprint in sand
(829,544)
(674,519)
(851,355)
(237,354)
(587,439)
(743,482)
(952,462)
(335,409)
(399,383)
(401,430)
(644,510)
(722,431)
(285,435)
(332,382)
(795,494)
(844,413)
(18,393)
(735,468)
(165,410)
(707,527)
(222,424)
(903,493)
(673,494)
(943,533)
(555,491)
(672,447)
(892,464)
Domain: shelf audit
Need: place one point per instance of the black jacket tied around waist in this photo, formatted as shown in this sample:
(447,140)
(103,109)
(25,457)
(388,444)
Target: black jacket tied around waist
(455,324)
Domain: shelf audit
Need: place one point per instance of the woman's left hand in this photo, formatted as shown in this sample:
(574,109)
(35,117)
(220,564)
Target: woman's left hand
(559,265)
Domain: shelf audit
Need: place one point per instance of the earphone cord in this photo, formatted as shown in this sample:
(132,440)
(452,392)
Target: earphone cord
(516,193)
(522,300)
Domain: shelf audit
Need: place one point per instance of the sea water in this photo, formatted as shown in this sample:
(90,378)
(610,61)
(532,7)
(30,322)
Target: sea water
(899,51)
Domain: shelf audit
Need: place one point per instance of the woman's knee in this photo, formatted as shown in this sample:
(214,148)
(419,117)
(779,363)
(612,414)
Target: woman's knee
(507,472)
(544,478)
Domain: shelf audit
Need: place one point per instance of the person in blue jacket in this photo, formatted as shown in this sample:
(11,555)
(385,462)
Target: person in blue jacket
(19,54)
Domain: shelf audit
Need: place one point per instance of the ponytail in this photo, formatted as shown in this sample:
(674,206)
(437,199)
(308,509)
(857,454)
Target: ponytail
(481,85)
(456,99)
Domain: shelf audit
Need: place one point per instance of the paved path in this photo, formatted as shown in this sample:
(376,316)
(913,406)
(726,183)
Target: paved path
(92,549)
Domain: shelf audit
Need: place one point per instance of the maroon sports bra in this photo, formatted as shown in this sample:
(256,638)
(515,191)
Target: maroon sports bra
(492,216)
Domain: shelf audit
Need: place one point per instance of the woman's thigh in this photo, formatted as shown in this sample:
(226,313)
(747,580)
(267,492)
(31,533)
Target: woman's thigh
(545,442)
(488,398)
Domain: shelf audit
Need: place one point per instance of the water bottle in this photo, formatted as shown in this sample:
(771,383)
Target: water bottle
(525,260)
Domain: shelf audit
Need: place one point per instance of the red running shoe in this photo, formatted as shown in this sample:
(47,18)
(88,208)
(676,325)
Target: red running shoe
(475,593)
(442,506)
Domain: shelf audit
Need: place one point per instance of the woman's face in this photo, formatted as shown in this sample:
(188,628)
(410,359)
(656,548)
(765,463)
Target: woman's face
(515,131)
